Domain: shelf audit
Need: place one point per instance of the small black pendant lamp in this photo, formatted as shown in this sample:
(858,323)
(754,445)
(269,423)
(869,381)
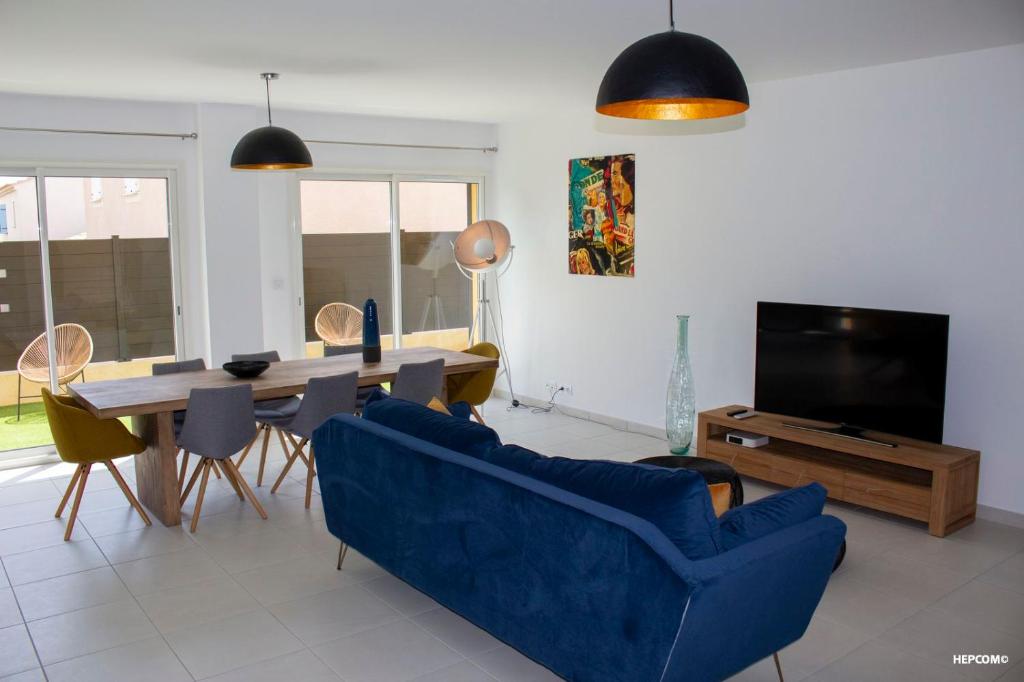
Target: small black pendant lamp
(673,75)
(270,147)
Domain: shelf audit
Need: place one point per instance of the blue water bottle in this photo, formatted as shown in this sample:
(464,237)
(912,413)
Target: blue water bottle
(371,332)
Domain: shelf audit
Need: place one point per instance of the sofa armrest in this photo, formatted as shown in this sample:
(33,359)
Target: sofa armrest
(754,600)
(770,514)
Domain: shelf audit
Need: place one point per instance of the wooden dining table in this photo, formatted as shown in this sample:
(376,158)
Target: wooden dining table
(151,402)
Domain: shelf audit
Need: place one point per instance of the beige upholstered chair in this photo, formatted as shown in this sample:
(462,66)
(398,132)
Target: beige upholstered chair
(339,324)
(74,352)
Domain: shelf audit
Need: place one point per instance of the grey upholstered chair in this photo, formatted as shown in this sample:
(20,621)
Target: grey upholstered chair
(418,382)
(218,423)
(324,397)
(164,368)
(363,392)
(274,408)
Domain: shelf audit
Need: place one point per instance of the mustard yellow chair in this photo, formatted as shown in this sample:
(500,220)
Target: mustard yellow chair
(474,387)
(85,440)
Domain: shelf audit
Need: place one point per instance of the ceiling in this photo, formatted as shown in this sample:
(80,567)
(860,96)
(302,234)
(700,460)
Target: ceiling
(478,60)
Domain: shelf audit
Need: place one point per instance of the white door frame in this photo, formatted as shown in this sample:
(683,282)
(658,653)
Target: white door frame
(40,173)
(396,243)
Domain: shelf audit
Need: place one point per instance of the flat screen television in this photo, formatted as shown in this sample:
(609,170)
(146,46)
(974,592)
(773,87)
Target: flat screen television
(861,369)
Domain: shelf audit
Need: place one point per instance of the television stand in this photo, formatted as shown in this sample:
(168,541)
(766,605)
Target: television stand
(937,484)
(842,431)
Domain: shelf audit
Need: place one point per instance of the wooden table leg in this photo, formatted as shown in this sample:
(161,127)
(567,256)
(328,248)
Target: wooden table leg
(156,471)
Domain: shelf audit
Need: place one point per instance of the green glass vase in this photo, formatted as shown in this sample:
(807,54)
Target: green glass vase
(680,403)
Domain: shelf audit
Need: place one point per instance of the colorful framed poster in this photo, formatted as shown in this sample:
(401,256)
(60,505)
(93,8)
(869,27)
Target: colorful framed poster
(602,207)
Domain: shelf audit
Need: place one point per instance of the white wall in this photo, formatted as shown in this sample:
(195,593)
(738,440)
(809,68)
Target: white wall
(240,265)
(895,187)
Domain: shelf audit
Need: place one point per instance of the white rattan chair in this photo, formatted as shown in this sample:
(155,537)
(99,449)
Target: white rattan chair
(74,352)
(339,324)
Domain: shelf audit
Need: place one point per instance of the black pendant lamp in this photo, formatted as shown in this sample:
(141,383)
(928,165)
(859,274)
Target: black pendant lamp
(673,75)
(270,147)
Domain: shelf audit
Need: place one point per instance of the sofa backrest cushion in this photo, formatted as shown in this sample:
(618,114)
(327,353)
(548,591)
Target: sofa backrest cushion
(419,421)
(674,500)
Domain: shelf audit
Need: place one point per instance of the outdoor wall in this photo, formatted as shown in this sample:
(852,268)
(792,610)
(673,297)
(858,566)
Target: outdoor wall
(894,187)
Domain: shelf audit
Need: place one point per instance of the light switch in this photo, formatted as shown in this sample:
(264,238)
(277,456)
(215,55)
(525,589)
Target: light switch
(5,307)
(3,273)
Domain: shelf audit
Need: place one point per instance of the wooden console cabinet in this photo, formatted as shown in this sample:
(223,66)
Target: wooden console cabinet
(937,484)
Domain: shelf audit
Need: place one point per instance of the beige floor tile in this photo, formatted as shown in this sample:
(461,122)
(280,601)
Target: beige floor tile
(466,671)
(164,571)
(223,645)
(149,660)
(10,613)
(34,536)
(50,562)
(196,604)
(331,615)
(457,632)
(1008,575)
(16,652)
(303,576)
(891,572)
(397,651)
(400,596)
(508,665)
(967,558)
(987,605)
(81,590)
(937,636)
(254,550)
(864,608)
(301,666)
(31,491)
(86,631)
(34,675)
(880,662)
(147,542)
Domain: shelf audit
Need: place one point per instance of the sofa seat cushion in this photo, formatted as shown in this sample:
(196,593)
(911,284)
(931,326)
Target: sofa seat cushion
(419,421)
(674,500)
(770,514)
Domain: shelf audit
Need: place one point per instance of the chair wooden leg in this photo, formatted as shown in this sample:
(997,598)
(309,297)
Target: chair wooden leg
(192,481)
(295,444)
(310,473)
(230,466)
(288,465)
(245,452)
(184,470)
(67,493)
(216,469)
(263,456)
(476,413)
(342,551)
(78,501)
(207,465)
(132,500)
(778,666)
(231,479)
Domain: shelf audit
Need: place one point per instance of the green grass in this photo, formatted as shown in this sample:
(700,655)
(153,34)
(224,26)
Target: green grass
(31,431)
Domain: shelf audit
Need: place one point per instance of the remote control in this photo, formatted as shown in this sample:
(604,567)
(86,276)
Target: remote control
(746,414)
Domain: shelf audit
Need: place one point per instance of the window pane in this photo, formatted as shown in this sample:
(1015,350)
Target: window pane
(22,318)
(437,300)
(110,266)
(346,250)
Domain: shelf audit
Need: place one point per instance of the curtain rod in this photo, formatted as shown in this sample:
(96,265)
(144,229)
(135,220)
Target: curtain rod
(182,136)
(405,146)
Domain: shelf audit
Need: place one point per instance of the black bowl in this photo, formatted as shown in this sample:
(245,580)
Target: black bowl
(246,369)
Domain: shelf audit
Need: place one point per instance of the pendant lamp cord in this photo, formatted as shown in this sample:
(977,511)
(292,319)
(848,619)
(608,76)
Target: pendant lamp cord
(269,120)
(671,15)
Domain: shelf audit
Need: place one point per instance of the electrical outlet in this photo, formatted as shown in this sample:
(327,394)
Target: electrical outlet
(5,307)
(567,388)
(551,386)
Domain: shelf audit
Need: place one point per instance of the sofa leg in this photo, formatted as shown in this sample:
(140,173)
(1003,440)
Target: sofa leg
(342,551)
(778,666)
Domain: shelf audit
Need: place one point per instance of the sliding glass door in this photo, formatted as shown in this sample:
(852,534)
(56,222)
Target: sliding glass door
(89,287)
(389,238)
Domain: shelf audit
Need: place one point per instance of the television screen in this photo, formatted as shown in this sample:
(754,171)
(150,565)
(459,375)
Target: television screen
(880,370)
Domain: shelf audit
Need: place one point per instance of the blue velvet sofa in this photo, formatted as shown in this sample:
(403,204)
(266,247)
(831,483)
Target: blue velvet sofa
(585,588)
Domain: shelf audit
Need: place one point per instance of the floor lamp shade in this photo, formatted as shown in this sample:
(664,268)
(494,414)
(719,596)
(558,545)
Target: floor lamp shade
(271,148)
(482,246)
(673,75)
